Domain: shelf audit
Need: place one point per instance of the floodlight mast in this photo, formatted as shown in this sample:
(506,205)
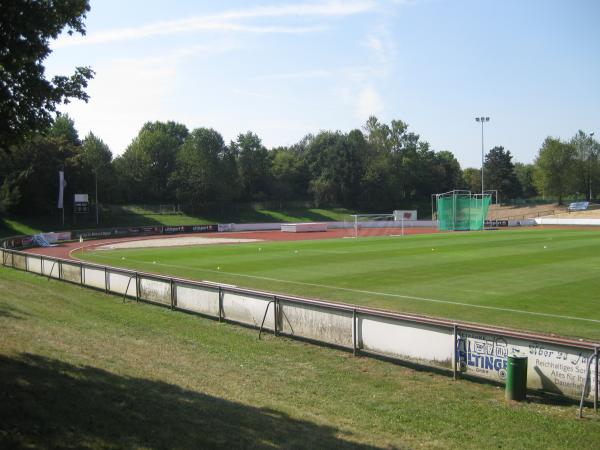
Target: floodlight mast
(590,163)
(482,119)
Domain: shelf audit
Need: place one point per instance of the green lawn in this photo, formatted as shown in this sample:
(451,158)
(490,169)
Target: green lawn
(534,279)
(11,226)
(81,369)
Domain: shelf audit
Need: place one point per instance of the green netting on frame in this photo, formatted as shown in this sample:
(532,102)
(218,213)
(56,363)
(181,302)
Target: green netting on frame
(462,212)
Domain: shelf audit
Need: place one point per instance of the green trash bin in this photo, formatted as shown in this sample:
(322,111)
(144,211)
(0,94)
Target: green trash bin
(516,378)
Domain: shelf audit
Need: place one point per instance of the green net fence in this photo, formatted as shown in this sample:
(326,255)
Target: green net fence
(462,212)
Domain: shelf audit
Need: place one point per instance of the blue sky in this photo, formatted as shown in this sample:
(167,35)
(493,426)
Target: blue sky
(285,69)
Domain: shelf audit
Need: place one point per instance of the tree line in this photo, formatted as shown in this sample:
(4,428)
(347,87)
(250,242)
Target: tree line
(377,168)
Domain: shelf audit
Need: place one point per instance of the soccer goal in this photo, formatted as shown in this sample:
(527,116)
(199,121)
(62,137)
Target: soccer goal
(362,225)
(461,210)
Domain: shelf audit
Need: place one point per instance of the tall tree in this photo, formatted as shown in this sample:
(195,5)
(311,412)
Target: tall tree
(499,174)
(96,158)
(254,166)
(524,173)
(27,99)
(146,165)
(587,167)
(554,168)
(205,173)
(472,179)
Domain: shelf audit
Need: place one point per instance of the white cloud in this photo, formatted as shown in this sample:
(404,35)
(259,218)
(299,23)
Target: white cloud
(368,103)
(226,21)
(126,93)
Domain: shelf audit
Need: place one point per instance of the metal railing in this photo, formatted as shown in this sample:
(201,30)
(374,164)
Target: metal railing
(477,350)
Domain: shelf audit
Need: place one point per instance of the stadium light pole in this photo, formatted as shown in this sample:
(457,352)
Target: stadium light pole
(590,163)
(482,120)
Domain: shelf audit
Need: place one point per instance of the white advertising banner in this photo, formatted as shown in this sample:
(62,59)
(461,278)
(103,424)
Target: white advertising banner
(551,367)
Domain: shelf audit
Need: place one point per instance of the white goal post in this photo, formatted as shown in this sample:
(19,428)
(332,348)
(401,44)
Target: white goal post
(394,223)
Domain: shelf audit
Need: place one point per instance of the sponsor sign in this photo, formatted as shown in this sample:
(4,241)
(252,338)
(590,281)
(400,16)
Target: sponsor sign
(225,227)
(201,228)
(550,367)
(496,223)
(400,215)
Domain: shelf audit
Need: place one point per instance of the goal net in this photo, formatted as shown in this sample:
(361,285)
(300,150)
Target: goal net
(462,210)
(362,225)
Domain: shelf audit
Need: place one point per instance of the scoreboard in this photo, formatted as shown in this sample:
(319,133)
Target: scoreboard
(81,204)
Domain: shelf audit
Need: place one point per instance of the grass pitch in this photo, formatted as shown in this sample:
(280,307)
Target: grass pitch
(81,369)
(534,279)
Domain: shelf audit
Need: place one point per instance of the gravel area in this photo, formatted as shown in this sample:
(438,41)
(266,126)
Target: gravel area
(173,242)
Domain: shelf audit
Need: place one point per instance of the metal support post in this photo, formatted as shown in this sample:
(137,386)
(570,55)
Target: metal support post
(275,314)
(354,340)
(454,359)
(171,285)
(220,304)
(596,385)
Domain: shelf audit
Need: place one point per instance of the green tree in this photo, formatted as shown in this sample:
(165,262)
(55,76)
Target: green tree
(29,181)
(27,99)
(64,129)
(146,166)
(96,158)
(472,179)
(524,173)
(499,174)
(254,166)
(587,167)
(205,173)
(290,177)
(555,167)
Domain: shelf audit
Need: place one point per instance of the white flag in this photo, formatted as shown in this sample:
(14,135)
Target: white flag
(62,183)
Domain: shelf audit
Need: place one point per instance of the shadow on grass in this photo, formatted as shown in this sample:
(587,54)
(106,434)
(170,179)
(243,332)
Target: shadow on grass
(12,313)
(48,403)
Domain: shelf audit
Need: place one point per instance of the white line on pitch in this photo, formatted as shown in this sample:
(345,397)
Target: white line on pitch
(360,291)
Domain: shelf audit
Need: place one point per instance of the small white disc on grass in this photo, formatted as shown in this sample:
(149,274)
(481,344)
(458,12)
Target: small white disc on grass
(218,267)
(153,262)
(545,246)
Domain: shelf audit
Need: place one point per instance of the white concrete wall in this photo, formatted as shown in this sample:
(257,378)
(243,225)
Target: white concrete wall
(72,272)
(247,309)
(413,341)
(155,291)
(197,299)
(94,277)
(34,264)
(566,221)
(19,261)
(318,323)
(118,283)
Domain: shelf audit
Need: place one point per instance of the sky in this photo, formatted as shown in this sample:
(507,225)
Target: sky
(283,69)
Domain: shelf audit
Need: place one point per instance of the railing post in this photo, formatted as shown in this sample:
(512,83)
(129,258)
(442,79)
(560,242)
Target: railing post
(220,304)
(454,351)
(137,287)
(596,385)
(172,294)
(275,313)
(60,270)
(354,340)
(105,280)
(81,274)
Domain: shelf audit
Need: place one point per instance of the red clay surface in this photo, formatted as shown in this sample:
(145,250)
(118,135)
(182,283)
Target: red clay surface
(65,250)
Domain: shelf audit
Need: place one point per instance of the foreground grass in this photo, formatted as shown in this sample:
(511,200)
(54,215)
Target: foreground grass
(11,226)
(79,368)
(539,280)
